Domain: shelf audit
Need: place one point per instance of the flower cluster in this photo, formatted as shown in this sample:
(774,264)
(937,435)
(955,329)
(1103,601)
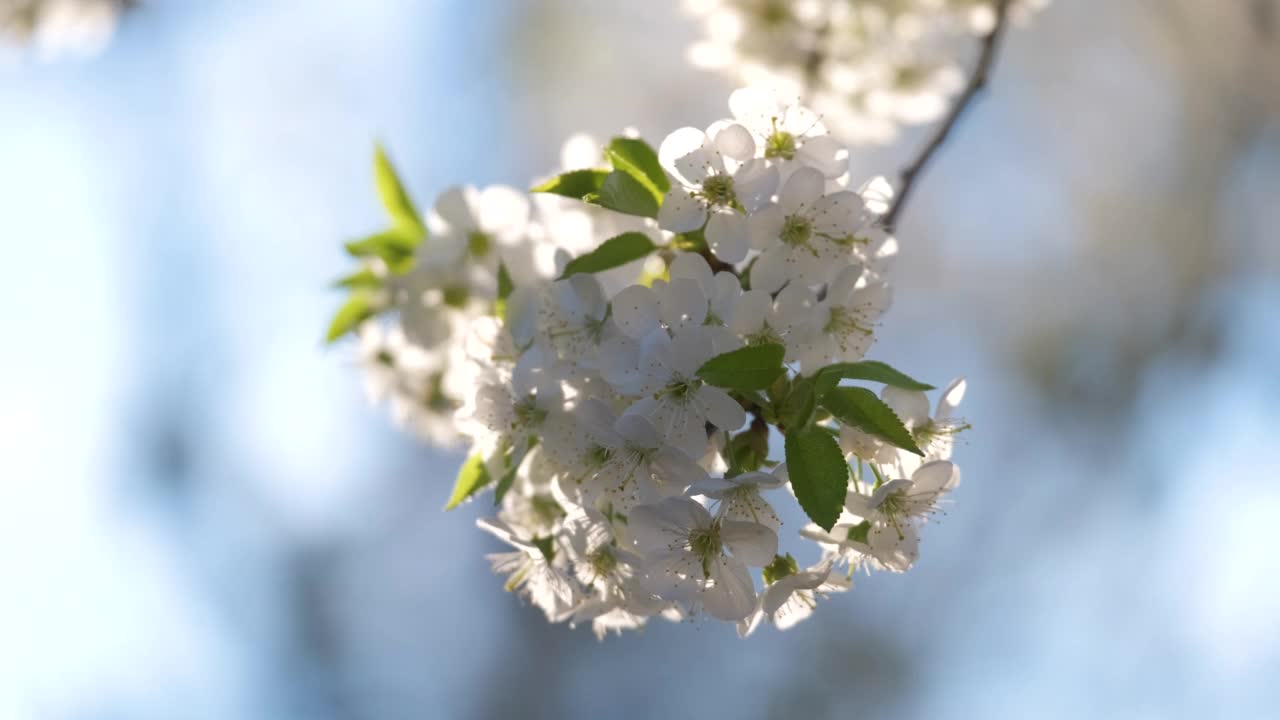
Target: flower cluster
(55,27)
(619,397)
(869,66)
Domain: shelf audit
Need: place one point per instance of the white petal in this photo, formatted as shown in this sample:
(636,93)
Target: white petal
(794,305)
(893,487)
(951,397)
(618,362)
(692,266)
(756,107)
(713,487)
(775,596)
(675,514)
(636,430)
(722,411)
(595,418)
(765,226)
(753,307)
(635,309)
(727,236)
(700,164)
(689,348)
(755,182)
(681,211)
(911,406)
(877,195)
(935,477)
(769,273)
(682,303)
(748,626)
(670,574)
(752,543)
(761,479)
(732,597)
(801,191)
(837,214)
(678,144)
(897,548)
(824,154)
(792,614)
(843,284)
(677,469)
(455,206)
(502,209)
(734,141)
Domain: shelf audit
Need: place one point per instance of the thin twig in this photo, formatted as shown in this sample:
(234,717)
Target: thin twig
(977,81)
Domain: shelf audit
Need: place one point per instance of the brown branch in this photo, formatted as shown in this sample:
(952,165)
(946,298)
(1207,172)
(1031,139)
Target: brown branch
(977,82)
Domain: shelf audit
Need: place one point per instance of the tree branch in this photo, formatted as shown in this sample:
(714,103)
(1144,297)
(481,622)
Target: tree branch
(977,82)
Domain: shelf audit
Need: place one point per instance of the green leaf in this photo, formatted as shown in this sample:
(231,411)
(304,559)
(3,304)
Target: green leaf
(637,159)
(754,367)
(394,247)
(748,450)
(547,545)
(799,404)
(873,371)
(694,241)
(617,250)
(394,197)
(505,286)
(513,464)
(504,484)
(623,193)
(365,279)
(860,408)
(858,533)
(358,308)
(819,474)
(576,184)
(471,478)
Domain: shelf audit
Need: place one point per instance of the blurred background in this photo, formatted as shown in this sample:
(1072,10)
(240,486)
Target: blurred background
(201,517)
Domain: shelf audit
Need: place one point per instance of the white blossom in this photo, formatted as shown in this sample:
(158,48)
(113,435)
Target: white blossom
(700,561)
(898,508)
(719,179)
(793,597)
(531,572)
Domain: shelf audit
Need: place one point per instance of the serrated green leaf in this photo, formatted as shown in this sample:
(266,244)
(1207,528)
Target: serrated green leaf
(625,194)
(576,184)
(638,160)
(472,477)
(872,371)
(819,474)
(394,197)
(358,308)
(365,279)
(617,250)
(754,367)
(860,408)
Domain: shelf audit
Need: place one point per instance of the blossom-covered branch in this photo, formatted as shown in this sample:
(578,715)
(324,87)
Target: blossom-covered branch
(977,82)
(602,343)
(868,67)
